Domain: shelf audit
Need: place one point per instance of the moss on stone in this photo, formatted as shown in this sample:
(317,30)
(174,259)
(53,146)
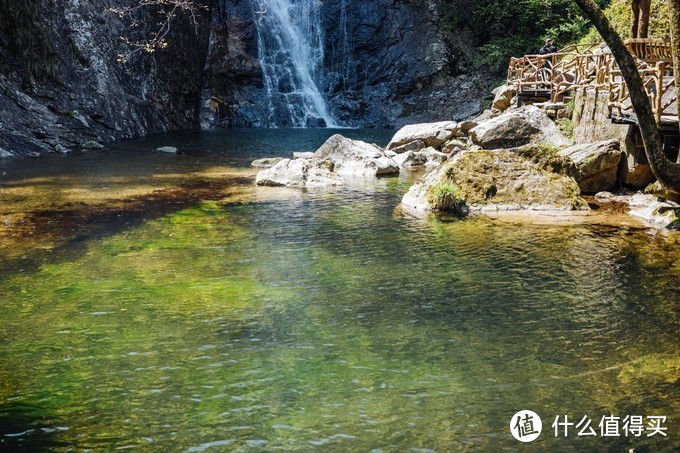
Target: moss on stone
(529,175)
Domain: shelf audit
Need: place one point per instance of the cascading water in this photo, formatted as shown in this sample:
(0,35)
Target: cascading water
(291,53)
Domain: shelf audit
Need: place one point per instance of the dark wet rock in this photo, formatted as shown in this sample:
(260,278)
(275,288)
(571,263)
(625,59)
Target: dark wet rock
(91,96)
(314,122)
(4,154)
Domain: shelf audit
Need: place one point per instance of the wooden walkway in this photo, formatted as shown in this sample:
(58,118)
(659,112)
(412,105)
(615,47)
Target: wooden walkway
(591,67)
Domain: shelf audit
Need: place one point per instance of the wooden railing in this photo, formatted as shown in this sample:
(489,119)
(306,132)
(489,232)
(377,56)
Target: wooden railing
(589,66)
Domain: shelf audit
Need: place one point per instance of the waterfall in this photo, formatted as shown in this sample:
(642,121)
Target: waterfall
(291,53)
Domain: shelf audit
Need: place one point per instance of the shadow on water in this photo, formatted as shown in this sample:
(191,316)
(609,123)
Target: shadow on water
(21,429)
(72,228)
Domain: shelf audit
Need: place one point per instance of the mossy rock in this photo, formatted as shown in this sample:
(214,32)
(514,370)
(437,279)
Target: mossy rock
(526,178)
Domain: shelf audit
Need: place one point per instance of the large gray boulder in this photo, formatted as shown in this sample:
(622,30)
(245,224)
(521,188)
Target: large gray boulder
(431,134)
(598,164)
(356,158)
(299,173)
(526,178)
(517,128)
(503,97)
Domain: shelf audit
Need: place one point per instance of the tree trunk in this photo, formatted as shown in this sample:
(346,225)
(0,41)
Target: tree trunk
(643,20)
(665,171)
(634,18)
(674,17)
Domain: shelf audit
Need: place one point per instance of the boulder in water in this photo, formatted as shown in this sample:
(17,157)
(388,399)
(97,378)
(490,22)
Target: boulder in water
(92,145)
(167,149)
(356,158)
(526,178)
(299,173)
(314,122)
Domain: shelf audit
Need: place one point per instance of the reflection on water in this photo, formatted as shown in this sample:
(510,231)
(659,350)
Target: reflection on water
(323,320)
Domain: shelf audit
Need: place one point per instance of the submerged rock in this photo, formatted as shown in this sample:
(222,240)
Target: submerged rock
(92,145)
(525,178)
(431,134)
(167,149)
(598,164)
(356,158)
(299,173)
(266,162)
(517,128)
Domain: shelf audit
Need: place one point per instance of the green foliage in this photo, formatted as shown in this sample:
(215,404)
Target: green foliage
(500,29)
(445,196)
(618,14)
(29,39)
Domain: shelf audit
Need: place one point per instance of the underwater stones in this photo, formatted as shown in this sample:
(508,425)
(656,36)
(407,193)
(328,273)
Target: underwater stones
(517,128)
(431,134)
(356,158)
(266,162)
(92,145)
(299,173)
(598,164)
(167,149)
(526,178)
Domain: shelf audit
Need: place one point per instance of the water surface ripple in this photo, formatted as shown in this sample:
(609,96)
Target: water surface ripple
(324,320)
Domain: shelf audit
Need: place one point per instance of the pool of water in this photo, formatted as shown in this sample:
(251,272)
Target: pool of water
(323,319)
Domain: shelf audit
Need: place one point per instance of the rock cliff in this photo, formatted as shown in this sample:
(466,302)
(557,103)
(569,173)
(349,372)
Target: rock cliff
(385,63)
(76,91)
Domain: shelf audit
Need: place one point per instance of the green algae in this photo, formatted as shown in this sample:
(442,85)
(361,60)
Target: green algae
(325,322)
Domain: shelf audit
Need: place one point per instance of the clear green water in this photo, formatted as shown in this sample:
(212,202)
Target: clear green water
(324,321)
